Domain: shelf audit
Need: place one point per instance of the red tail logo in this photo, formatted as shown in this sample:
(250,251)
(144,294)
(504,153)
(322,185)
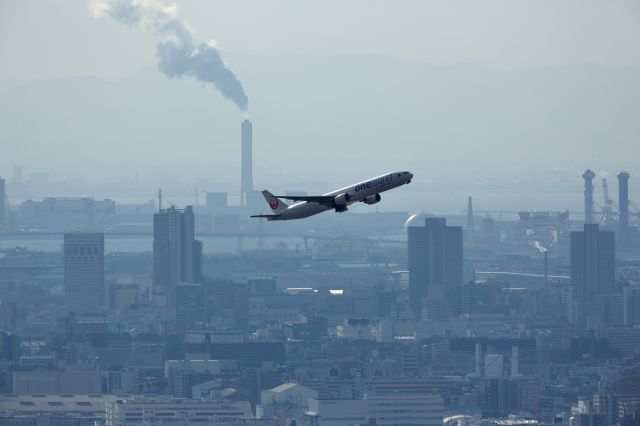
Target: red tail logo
(273,203)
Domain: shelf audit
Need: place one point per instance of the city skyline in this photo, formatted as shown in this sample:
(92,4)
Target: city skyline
(464,177)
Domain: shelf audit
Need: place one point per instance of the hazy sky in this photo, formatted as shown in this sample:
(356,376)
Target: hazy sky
(527,97)
(50,39)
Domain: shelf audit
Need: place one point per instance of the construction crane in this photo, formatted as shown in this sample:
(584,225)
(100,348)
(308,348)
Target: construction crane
(607,209)
(635,213)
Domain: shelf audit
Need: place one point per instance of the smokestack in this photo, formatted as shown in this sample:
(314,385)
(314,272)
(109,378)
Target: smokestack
(588,176)
(246,180)
(623,201)
(470,227)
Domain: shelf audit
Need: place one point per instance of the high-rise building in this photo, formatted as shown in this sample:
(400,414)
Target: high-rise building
(177,255)
(167,236)
(3,204)
(592,273)
(246,181)
(435,265)
(84,271)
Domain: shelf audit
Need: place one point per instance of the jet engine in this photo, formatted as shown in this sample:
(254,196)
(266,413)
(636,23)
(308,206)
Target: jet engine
(342,199)
(372,199)
(340,202)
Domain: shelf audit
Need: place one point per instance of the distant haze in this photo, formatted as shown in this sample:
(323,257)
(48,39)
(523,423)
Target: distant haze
(454,91)
(355,116)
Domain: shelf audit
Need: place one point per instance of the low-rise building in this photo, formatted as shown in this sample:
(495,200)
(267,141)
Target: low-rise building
(408,410)
(144,411)
(57,382)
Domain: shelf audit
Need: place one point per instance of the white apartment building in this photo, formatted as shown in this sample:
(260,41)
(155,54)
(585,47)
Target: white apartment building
(165,412)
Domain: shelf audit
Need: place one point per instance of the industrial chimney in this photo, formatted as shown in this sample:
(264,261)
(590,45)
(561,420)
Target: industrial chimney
(471,233)
(588,176)
(623,201)
(246,180)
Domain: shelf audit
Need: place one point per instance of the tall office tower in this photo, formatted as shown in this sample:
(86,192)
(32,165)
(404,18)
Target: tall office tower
(177,255)
(435,266)
(246,181)
(588,176)
(3,204)
(623,203)
(167,235)
(592,274)
(84,271)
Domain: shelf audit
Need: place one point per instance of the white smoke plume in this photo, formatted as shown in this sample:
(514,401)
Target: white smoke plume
(539,247)
(177,52)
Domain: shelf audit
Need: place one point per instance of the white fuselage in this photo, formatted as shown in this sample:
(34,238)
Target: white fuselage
(356,193)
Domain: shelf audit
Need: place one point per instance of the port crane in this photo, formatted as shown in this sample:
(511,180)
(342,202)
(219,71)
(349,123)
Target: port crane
(607,208)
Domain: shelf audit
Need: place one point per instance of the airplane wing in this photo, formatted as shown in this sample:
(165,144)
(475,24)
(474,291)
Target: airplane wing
(327,200)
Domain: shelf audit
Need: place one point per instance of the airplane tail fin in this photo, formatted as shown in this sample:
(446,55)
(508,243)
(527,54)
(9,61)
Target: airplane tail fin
(276,204)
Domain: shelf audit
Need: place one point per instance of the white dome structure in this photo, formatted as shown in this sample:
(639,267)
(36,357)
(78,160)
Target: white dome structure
(416,219)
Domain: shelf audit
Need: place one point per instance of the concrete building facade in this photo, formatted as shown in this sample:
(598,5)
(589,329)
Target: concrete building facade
(84,271)
(176,253)
(405,410)
(435,266)
(592,275)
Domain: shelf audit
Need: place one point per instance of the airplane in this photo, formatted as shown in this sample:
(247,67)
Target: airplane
(367,192)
